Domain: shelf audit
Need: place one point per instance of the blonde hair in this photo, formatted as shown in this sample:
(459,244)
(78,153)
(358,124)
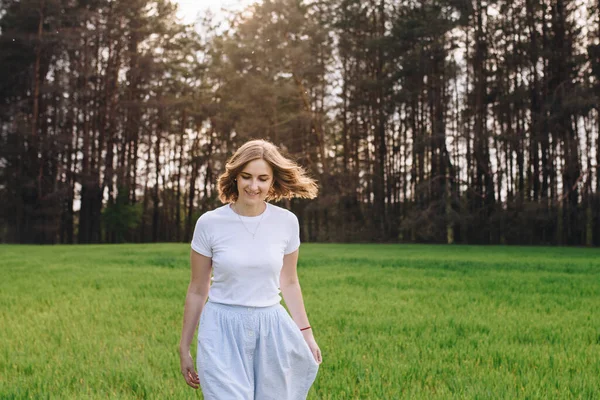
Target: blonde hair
(289,179)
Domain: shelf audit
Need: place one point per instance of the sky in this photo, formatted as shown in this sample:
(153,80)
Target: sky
(189,10)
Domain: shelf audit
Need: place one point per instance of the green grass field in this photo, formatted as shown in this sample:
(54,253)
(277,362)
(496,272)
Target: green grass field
(392,321)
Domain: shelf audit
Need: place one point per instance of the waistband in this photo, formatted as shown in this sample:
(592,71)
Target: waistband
(238,309)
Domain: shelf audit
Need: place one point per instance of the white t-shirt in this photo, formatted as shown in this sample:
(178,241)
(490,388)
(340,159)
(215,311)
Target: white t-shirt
(246,270)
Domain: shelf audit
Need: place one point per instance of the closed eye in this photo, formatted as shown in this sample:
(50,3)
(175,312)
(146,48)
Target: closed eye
(261,179)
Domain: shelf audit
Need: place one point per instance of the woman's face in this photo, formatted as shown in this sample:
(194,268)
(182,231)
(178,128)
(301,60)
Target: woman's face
(254,182)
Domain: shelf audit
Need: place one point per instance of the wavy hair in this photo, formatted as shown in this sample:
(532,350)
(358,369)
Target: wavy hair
(289,179)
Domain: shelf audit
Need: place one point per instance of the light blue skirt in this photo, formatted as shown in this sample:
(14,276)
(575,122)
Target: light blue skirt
(252,353)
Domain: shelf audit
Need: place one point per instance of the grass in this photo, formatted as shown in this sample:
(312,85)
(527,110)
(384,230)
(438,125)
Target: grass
(392,321)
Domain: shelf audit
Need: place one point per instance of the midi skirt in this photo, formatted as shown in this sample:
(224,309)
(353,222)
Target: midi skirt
(252,353)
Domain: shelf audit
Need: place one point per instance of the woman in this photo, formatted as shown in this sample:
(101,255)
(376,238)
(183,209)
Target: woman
(248,345)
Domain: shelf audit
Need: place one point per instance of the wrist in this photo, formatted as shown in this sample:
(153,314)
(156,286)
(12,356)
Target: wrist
(307,333)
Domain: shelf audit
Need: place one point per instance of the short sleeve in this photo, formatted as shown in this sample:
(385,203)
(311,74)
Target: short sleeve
(201,238)
(294,238)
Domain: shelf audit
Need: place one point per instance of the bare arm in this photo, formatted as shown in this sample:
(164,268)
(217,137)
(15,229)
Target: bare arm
(197,294)
(292,294)
(194,303)
(291,291)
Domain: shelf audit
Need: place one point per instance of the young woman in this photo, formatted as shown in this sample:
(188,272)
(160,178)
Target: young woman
(249,348)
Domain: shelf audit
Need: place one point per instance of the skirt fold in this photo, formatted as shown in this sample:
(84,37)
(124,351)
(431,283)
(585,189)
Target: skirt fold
(252,353)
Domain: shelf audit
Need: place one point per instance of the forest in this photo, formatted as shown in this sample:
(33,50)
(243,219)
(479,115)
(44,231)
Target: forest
(432,121)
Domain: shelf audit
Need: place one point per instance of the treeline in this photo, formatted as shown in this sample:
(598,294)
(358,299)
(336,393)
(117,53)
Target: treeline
(448,121)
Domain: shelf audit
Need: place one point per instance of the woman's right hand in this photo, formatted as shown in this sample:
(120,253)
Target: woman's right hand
(187,370)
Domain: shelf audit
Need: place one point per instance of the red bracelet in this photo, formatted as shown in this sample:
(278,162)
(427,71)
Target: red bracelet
(303,329)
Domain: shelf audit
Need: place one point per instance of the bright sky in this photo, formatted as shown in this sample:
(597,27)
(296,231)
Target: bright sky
(189,10)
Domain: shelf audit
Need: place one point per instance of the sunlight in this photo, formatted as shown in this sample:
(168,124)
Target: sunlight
(190,10)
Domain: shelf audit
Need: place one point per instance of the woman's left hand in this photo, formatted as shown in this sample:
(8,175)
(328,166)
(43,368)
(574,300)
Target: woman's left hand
(312,344)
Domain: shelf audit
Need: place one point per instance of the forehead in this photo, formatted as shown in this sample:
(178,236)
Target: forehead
(257,167)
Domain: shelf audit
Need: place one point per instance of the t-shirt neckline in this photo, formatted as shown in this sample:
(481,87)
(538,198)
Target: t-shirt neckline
(263,214)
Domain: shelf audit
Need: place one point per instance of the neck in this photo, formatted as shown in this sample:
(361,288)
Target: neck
(249,210)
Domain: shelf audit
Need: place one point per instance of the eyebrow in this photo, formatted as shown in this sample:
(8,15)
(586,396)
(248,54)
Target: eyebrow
(248,173)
